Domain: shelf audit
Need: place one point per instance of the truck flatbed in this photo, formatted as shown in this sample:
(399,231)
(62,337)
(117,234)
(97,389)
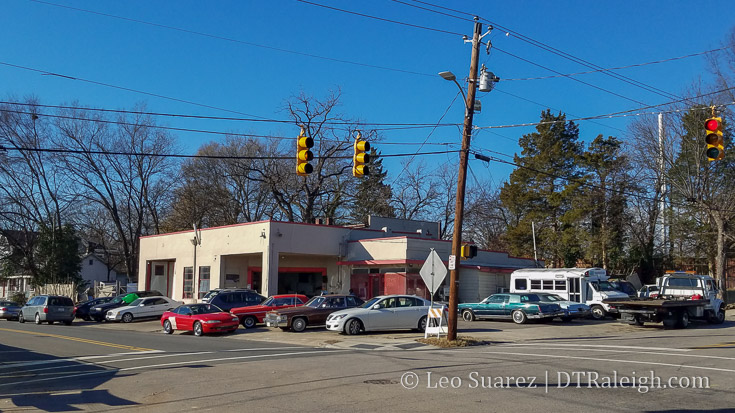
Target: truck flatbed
(656,303)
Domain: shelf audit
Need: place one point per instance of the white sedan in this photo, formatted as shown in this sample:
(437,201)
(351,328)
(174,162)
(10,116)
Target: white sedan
(391,312)
(148,307)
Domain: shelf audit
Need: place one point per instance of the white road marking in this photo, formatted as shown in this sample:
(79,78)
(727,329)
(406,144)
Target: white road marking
(652,363)
(596,345)
(153,366)
(265,348)
(71,359)
(622,351)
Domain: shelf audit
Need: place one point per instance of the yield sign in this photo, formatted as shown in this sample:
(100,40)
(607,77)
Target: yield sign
(433,271)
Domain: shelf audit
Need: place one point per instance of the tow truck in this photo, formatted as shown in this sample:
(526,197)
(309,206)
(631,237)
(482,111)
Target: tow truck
(682,297)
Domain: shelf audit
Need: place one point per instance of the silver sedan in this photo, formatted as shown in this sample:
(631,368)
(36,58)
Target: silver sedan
(391,312)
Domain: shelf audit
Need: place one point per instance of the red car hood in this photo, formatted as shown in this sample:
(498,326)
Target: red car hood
(214,316)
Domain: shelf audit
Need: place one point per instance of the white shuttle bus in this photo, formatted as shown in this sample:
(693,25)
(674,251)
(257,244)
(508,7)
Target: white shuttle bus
(581,285)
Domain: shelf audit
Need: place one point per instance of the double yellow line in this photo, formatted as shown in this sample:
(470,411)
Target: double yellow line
(728,344)
(80,340)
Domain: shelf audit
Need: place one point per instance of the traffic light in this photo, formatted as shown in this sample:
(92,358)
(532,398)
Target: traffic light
(303,154)
(468,251)
(715,143)
(360,158)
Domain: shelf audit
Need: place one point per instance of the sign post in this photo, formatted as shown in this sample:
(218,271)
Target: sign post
(433,272)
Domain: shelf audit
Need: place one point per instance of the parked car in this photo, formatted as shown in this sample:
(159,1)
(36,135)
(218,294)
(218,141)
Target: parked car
(199,318)
(229,299)
(250,316)
(99,312)
(648,291)
(142,308)
(390,312)
(313,313)
(48,308)
(82,309)
(571,309)
(514,306)
(9,310)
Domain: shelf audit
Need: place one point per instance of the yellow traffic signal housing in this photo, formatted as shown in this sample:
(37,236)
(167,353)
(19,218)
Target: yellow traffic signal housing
(715,142)
(360,158)
(304,154)
(468,251)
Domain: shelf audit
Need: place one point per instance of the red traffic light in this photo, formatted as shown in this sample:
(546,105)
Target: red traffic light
(711,124)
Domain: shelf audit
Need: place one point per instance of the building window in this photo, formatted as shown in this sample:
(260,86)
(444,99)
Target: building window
(158,270)
(203,281)
(188,282)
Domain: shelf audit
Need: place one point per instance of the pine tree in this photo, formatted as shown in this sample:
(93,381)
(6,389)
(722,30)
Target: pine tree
(544,190)
(373,196)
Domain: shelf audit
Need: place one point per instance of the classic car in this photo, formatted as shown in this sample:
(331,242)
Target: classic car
(571,309)
(199,318)
(142,308)
(514,306)
(254,314)
(313,313)
(391,312)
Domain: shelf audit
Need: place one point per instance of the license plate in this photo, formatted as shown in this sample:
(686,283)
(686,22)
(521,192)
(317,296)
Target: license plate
(60,310)
(271,324)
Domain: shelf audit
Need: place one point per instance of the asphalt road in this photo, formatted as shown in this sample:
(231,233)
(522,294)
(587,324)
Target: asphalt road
(583,366)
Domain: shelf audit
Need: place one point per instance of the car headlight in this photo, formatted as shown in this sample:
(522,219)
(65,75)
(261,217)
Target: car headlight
(97,309)
(338,317)
(235,319)
(283,318)
(212,322)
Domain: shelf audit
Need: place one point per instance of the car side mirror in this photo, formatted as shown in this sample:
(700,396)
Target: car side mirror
(376,307)
(141,304)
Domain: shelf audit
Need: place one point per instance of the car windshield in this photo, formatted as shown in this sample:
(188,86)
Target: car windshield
(603,286)
(117,299)
(136,302)
(204,309)
(369,303)
(268,301)
(315,302)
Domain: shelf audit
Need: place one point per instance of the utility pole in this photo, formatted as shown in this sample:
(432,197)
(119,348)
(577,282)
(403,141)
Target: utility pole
(461,181)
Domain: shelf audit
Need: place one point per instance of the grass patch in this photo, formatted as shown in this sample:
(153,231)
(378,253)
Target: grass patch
(459,342)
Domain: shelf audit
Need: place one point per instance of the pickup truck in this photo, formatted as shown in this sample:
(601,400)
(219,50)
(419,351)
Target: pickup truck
(681,298)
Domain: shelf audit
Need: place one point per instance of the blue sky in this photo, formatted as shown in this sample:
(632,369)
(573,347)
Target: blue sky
(250,76)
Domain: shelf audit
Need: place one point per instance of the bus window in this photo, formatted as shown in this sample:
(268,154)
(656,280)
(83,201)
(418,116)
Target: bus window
(548,284)
(521,284)
(535,284)
(560,285)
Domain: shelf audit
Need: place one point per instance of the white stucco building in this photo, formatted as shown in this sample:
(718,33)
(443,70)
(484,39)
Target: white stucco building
(284,257)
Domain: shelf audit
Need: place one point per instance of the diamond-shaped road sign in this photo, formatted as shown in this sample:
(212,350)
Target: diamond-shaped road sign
(433,271)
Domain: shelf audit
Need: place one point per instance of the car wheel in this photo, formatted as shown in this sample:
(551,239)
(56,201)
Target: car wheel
(20,318)
(422,323)
(684,319)
(127,318)
(38,318)
(249,322)
(198,329)
(167,327)
(468,315)
(353,327)
(298,324)
(519,317)
(598,313)
(717,317)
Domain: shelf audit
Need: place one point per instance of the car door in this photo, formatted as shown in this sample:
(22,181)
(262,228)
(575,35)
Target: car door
(146,309)
(406,312)
(493,306)
(382,314)
(160,306)
(185,318)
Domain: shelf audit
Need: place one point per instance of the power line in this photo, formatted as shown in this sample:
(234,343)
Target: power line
(230,39)
(415,26)
(179,115)
(175,155)
(617,68)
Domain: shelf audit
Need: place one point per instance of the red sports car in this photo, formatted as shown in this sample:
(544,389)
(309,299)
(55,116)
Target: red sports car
(200,318)
(249,316)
